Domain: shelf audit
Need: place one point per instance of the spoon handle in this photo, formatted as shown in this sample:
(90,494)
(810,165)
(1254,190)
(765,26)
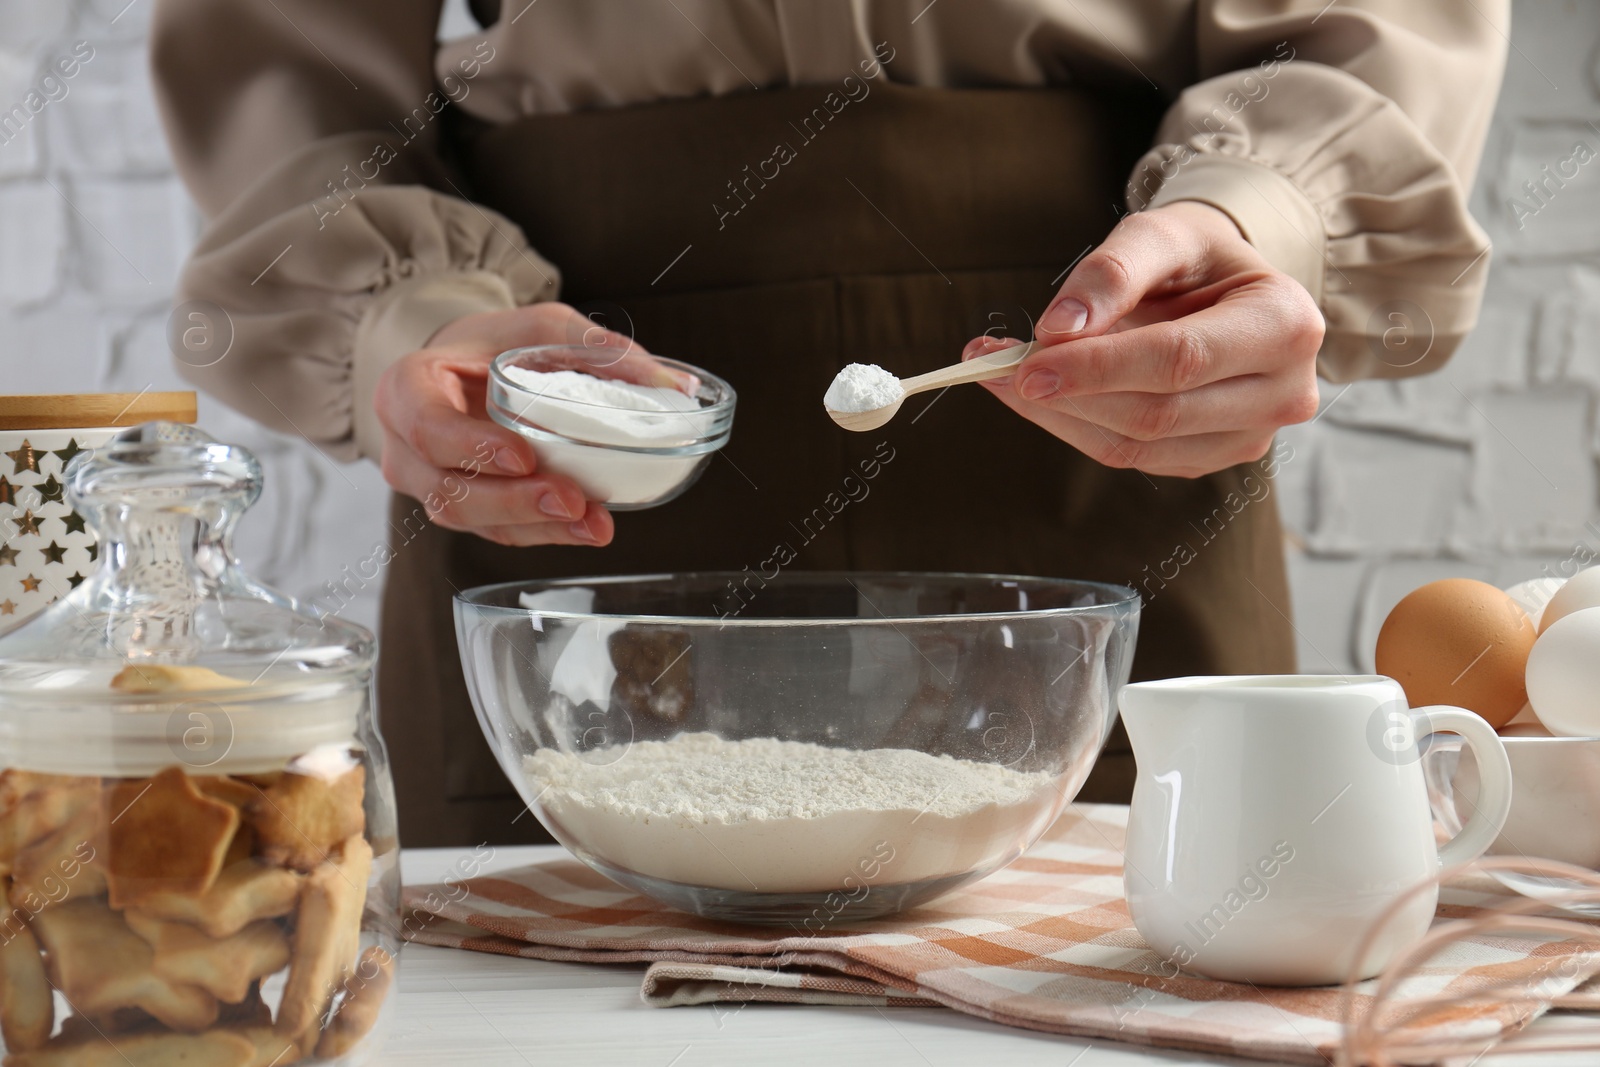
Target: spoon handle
(978,369)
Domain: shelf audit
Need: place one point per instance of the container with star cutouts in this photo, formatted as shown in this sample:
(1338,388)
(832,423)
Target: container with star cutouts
(45,547)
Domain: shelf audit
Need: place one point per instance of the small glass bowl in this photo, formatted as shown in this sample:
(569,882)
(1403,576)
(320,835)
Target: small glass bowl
(648,460)
(950,679)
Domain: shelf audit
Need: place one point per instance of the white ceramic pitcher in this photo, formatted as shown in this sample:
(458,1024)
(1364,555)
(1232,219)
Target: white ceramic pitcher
(1275,817)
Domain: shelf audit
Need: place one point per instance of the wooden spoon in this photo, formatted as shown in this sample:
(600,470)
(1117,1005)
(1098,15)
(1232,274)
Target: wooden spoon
(995,364)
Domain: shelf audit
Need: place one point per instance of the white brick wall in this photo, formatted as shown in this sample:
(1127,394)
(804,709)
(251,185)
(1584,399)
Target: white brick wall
(1486,469)
(93,228)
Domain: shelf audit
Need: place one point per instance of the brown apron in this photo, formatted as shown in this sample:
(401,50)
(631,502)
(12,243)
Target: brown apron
(773,237)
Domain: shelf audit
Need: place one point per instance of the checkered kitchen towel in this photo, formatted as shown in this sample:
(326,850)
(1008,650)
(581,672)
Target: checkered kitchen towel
(1045,944)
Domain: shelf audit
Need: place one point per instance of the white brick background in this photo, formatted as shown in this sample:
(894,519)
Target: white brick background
(1485,469)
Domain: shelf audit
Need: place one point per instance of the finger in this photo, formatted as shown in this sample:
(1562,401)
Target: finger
(985,343)
(1145,253)
(460,501)
(547,533)
(590,532)
(1178,457)
(642,368)
(1252,401)
(486,334)
(421,401)
(605,353)
(618,356)
(600,345)
(596,527)
(1255,328)
(493,332)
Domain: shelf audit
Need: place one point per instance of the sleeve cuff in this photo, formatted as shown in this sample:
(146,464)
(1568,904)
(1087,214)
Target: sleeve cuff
(1270,210)
(400,320)
(1283,223)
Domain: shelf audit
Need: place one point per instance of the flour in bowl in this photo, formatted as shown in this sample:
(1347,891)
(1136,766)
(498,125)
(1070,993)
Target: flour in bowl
(770,816)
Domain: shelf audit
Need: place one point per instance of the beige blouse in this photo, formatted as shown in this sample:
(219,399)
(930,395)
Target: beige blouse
(1341,136)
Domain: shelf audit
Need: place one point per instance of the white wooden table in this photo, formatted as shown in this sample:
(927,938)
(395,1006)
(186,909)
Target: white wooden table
(456,1008)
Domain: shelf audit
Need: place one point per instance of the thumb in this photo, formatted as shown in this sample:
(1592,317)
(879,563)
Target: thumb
(1146,252)
(497,330)
(422,400)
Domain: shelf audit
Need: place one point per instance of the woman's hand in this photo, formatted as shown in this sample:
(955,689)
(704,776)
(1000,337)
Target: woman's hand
(471,473)
(1172,348)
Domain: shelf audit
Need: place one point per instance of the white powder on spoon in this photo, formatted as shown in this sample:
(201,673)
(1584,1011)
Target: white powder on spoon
(862,387)
(771,816)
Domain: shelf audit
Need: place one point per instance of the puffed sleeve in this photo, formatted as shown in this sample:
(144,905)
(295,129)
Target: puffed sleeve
(336,241)
(1343,139)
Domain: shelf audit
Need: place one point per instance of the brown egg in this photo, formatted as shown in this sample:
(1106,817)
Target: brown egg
(1462,642)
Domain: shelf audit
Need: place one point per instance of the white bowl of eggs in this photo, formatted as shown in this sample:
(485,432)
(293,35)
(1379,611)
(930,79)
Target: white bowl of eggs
(1527,659)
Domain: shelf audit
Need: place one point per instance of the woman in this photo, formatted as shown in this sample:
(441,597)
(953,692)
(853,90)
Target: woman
(1194,207)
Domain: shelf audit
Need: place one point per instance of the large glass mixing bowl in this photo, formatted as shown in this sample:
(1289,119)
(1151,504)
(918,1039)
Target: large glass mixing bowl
(801,749)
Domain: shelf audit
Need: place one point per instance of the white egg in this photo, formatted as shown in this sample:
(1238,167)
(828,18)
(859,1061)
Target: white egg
(1534,594)
(1564,675)
(1580,591)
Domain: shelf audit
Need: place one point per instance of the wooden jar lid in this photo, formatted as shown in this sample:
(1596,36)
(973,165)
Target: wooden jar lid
(69,411)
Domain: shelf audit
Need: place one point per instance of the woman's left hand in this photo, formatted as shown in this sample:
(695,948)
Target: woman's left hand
(1173,348)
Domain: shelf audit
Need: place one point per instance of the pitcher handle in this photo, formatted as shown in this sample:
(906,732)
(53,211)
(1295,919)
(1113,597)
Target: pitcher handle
(1494,774)
(1438,775)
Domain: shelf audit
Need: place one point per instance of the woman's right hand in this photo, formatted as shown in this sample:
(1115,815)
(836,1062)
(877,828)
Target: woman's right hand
(470,473)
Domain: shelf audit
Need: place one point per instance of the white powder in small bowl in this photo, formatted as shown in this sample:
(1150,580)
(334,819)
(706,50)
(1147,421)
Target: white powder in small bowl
(862,387)
(608,423)
(607,411)
(771,816)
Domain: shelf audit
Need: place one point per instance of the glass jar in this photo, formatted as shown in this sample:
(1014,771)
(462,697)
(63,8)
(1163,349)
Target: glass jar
(197,825)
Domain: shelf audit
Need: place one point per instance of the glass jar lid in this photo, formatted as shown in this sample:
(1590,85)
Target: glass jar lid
(169,622)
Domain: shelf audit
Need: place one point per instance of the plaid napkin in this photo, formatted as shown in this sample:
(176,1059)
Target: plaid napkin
(1045,944)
